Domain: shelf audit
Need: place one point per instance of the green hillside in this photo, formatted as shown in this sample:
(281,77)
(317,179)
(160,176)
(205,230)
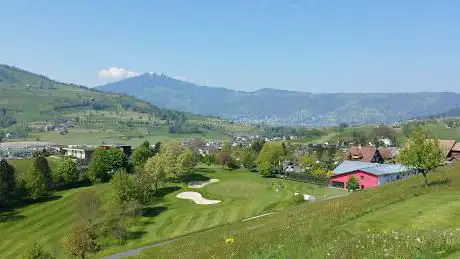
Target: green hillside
(29,101)
(243,194)
(400,220)
(28,96)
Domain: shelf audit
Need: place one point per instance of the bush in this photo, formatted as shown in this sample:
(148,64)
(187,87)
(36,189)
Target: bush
(37,251)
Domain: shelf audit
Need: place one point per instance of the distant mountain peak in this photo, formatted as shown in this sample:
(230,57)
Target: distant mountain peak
(160,74)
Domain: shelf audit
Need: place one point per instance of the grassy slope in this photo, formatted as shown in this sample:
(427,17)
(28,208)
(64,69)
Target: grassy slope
(243,194)
(340,225)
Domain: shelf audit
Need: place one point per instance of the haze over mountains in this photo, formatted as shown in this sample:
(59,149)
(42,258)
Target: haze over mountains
(280,107)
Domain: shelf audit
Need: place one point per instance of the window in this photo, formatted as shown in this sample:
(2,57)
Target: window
(362,177)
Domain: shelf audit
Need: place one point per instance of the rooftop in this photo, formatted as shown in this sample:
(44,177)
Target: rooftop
(375,169)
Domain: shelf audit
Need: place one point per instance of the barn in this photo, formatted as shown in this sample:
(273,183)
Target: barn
(368,174)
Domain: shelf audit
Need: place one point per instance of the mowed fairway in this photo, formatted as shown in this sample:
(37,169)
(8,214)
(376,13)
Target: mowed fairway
(243,194)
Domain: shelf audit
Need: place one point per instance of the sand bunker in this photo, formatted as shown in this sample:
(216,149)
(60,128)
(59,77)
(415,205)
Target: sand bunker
(306,197)
(199,184)
(196,197)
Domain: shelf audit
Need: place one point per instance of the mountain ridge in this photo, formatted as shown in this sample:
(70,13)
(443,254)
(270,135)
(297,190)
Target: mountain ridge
(284,107)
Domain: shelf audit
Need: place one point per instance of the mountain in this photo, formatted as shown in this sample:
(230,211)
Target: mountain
(25,96)
(283,107)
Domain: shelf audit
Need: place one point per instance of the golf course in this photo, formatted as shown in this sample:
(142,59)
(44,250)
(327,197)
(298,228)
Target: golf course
(242,195)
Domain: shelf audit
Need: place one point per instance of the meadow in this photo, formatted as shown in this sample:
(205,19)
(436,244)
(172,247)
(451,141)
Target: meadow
(404,219)
(243,194)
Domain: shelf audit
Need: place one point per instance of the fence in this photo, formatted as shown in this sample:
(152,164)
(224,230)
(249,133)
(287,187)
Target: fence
(303,177)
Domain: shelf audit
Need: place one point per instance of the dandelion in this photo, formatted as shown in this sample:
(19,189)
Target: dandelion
(229,240)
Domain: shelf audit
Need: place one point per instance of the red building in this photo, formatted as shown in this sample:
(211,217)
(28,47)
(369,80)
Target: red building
(368,174)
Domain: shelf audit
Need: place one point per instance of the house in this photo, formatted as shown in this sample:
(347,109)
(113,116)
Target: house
(450,149)
(83,154)
(369,154)
(368,174)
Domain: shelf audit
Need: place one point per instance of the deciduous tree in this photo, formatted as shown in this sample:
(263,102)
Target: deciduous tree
(140,156)
(103,162)
(81,241)
(123,189)
(421,154)
(270,159)
(66,173)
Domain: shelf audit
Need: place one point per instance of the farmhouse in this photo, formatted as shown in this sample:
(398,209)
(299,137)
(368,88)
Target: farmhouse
(368,174)
(450,149)
(370,154)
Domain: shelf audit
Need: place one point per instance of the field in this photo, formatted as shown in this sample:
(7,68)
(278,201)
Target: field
(243,194)
(401,220)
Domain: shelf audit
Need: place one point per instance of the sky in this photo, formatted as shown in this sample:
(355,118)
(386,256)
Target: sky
(304,45)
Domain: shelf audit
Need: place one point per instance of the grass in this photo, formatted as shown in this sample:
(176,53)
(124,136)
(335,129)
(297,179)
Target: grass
(401,220)
(243,195)
(21,166)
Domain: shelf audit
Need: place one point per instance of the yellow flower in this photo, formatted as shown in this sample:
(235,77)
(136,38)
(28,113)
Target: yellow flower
(229,240)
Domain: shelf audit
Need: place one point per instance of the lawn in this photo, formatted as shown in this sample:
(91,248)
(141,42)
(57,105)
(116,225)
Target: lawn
(243,194)
(406,218)
(21,166)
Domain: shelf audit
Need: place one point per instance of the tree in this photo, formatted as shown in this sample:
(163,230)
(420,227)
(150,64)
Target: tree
(270,159)
(248,159)
(37,251)
(123,189)
(103,162)
(226,159)
(306,162)
(155,173)
(156,148)
(39,178)
(146,144)
(81,241)
(421,154)
(7,182)
(209,159)
(257,145)
(352,183)
(140,156)
(144,185)
(67,172)
(88,209)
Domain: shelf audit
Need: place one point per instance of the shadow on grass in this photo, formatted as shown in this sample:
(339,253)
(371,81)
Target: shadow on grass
(162,192)
(195,177)
(136,235)
(205,170)
(7,216)
(153,211)
(9,213)
(443,181)
(79,184)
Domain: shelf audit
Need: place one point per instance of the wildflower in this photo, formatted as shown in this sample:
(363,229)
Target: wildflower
(229,240)
(418,239)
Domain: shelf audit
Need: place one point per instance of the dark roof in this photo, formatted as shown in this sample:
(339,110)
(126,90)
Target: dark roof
(365,154)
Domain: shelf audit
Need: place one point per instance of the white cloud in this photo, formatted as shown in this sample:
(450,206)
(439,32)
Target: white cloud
(116,73)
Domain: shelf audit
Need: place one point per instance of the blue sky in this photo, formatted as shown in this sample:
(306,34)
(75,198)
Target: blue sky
(305,45)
